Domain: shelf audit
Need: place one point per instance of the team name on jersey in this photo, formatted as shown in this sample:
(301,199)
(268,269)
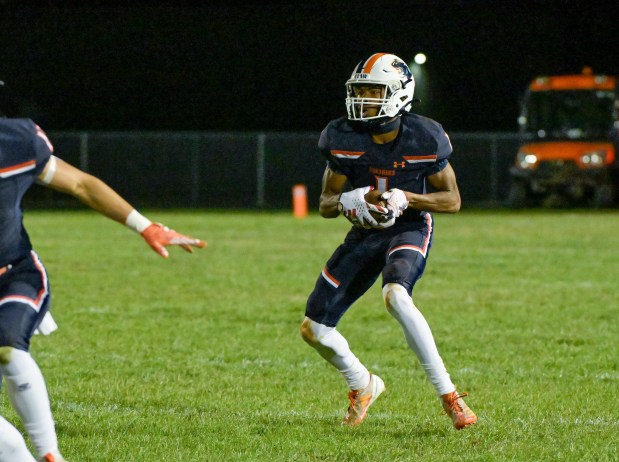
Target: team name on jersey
(382,171)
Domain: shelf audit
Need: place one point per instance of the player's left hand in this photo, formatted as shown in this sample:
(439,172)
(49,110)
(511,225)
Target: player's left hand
(396,201)
(157,236)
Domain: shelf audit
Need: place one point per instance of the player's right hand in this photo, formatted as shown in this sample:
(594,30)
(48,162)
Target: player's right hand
(157,236)
(354,207)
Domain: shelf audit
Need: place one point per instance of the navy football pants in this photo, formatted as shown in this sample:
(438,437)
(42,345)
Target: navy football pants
(399,252)
(24,300)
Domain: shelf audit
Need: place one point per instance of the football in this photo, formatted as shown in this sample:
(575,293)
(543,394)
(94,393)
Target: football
(373,197)
(378,215)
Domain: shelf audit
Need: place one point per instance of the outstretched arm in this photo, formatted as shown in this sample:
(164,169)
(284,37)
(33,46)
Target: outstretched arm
(97,195)
(88,189)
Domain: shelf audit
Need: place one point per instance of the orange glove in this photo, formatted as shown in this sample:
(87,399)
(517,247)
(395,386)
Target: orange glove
(158,236)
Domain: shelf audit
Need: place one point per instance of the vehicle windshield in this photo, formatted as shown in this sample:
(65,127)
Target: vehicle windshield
(568,114)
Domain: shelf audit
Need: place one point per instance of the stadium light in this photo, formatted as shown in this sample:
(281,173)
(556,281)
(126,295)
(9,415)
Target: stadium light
(420,58)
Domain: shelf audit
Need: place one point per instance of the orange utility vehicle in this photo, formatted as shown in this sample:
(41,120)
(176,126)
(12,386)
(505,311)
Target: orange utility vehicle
(568,152)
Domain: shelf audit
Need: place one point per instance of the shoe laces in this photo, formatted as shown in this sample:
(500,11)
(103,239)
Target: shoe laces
(352,397)
(453,403)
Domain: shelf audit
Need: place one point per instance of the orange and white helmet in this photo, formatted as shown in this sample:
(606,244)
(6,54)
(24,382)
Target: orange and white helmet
(381,69)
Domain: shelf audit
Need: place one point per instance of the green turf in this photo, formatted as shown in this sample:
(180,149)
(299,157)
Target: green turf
(198,358)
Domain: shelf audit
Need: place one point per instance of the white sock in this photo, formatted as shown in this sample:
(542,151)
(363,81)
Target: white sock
(12,445)
(28,395)
(334,348)
(418,336)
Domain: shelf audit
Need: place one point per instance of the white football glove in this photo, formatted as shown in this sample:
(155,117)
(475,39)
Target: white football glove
(396,201)
(354,207)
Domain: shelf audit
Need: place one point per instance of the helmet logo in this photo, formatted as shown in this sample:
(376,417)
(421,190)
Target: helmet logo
(402,68)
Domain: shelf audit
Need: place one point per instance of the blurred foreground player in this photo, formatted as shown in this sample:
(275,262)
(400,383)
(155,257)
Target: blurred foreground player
(382,152)
(12,445)
(26,157)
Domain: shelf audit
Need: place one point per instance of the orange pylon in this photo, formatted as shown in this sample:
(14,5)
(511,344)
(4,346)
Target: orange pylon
(299,200)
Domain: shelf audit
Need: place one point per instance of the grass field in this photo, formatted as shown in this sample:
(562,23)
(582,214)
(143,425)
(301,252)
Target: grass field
(198,358)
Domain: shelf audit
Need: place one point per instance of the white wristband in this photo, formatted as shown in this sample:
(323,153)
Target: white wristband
(51,171)
(137,222)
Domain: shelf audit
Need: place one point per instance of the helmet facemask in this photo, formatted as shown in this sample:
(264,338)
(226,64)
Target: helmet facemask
(386,105)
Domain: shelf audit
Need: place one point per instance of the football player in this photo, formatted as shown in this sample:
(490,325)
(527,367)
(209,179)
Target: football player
(27,156)
(382,152)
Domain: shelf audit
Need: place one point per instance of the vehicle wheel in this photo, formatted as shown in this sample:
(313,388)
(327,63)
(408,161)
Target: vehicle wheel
(604,196)
(518,196)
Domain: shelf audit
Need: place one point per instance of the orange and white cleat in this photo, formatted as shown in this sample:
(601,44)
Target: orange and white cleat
(52,457)
(455,407)
(361,400)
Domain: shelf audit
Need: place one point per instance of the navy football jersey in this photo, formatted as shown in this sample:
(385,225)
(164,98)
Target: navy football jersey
(421,149)
(24,152)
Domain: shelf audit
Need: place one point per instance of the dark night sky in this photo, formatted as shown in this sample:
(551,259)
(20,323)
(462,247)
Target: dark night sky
(283,66)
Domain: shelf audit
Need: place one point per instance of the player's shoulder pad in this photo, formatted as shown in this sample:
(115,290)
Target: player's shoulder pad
(16,129)
(332,130)
(17,141)
(24,143)
(428,134)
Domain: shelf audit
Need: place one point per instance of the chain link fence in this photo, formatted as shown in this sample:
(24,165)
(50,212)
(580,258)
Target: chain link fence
(237,170)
